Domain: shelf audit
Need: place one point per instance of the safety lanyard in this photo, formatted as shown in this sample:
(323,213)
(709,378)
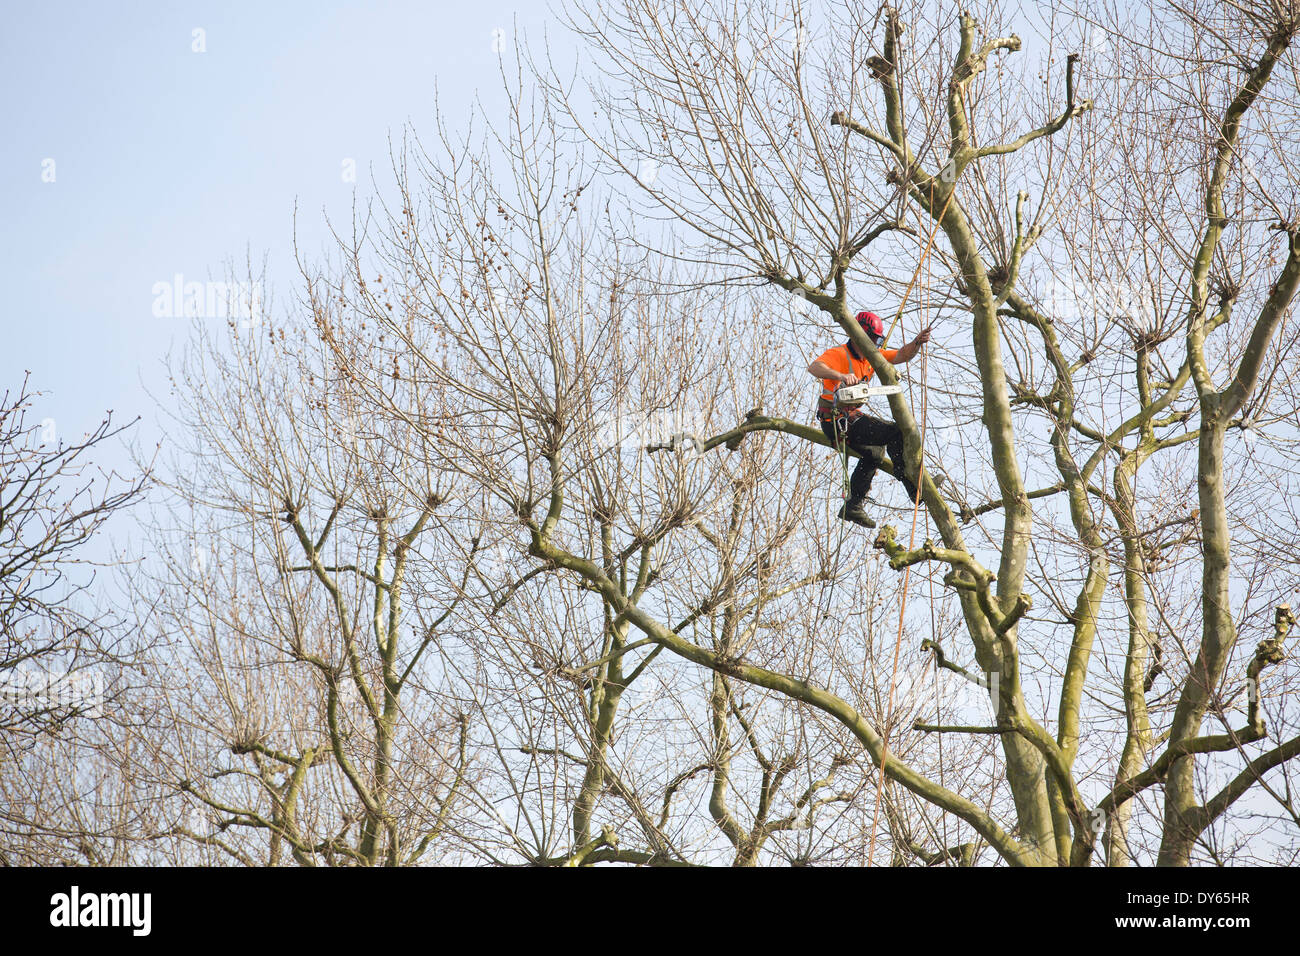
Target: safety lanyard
(840,425)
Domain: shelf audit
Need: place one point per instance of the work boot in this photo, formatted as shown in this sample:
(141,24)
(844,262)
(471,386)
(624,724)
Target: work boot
(852,510)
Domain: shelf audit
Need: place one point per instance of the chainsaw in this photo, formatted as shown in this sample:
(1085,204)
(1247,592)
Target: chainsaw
(849,396)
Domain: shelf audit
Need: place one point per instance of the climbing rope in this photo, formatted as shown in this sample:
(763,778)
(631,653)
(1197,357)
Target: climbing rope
(842,450)
(842,453)
(911,541)
(938,700)
(898,642)
(923,263)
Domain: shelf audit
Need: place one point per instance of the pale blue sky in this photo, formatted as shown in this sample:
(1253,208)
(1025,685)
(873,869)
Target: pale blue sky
(170,161)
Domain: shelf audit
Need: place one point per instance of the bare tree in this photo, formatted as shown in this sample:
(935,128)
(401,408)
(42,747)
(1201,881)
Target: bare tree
(573,401)
(511,542)
(60,650)
(51,506)
(942,125)
(299,530)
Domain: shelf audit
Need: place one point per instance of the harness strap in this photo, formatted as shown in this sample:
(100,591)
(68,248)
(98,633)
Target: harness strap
(826,401)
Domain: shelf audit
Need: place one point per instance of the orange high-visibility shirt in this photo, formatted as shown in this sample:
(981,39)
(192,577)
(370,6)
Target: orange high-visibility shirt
(840,360)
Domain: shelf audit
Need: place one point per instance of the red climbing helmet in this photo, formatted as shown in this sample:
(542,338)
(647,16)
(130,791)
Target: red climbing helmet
(873,325)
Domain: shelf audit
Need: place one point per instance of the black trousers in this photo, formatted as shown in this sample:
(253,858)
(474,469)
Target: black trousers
(865,430)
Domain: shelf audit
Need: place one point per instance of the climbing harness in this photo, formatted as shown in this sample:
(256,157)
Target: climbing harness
(858,395)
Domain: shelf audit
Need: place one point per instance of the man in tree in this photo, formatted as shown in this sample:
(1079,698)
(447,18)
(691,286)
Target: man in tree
(842,365)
